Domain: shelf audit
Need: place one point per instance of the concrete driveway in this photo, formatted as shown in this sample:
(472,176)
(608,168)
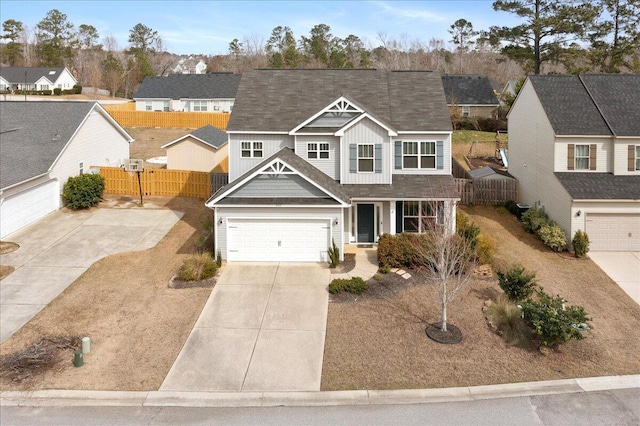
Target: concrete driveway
(623,267)
(56,250)
(262,329)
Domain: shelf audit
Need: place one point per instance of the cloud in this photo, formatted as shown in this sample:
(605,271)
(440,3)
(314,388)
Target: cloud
(408,13)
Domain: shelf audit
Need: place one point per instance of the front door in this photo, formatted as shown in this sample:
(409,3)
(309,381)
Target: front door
(366,222)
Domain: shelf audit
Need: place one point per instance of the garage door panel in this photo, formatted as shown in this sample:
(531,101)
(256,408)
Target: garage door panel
(28,206)
(613,232)
(278,240)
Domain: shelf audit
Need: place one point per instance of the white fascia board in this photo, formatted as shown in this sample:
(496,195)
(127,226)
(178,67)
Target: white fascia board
(389,130)
(322,111)
(276,205)
(24,181)
(111,120)
(180,139)
(586,136)
(398,198)
(421,132)
(255,132)
(474,105)
(603,201)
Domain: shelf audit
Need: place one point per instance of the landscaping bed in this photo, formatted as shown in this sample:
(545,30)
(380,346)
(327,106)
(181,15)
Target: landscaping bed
(376,340)
(137,324)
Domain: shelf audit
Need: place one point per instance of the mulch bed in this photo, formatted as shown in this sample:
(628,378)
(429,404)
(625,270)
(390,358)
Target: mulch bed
(347,265)
(8,247)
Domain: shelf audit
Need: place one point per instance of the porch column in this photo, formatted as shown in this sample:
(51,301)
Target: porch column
(392,217)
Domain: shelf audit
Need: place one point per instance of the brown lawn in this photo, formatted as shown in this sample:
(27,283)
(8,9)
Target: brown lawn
(148,141)
(378,341)
(137,324)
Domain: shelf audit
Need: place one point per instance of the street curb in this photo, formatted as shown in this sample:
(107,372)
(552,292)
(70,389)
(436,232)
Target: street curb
(80,398)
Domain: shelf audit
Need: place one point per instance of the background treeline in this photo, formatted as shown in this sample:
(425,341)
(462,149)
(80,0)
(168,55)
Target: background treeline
(561,36)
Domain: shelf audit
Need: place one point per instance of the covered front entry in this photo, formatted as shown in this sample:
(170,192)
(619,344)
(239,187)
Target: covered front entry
(366,223)
(278,240)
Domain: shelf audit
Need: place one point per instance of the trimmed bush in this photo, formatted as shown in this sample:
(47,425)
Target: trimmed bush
(397,251)
(553,236)
(57,91)
(507,319)
(199,266)
(77,89)
(83,191)
(552,321)
(516,283)
(580,243)
(533,219)
(355,285)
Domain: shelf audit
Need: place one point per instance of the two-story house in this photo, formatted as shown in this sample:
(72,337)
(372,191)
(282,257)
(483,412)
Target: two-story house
(213,92)
(470,95)
(317,156)
(574,146)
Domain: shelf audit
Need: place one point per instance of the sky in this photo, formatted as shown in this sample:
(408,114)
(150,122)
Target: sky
(207,27)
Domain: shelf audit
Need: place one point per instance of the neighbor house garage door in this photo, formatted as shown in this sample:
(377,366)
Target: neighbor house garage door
(24,208)
(610,232)
(278,240)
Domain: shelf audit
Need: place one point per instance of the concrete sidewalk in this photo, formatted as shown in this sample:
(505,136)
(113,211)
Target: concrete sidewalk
(56,250)
(366,263)
(262,329)
(47,398)
(623,267)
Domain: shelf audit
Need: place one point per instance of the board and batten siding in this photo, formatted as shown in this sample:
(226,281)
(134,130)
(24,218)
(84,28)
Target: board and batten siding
(278,186)
(270,145)
(298,213)
(97,143)
(330,166)
(191,154)
(603,153)
(366,132)
(622,154)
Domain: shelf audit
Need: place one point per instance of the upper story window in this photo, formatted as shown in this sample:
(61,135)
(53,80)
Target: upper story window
(199,106)
(466,111)
(251,149)
(418,155)
(365,158)
(318,150)
(582,157)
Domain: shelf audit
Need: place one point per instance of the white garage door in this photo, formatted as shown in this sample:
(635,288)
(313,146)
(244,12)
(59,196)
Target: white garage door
(609,232)
(24,208)
(278,240)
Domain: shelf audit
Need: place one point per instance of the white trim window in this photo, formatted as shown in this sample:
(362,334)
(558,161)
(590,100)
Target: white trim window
(318,150)
(148,106)
(420,216)
(81,167)
(466,110)
(418,155)
(251,149)
(365,158)
(165,106)
(582,157)
(199,106)
(637,157)
(216,105)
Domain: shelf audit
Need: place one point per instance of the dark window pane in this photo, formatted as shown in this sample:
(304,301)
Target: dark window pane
(410,162)
(410,224)
(365,165)
(428,162)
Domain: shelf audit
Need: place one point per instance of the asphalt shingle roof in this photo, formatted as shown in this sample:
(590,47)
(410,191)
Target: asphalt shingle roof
(469,89)
(211,135)
(590,104)
(190,86)
(32,135)
(407,187)
(16,74)
(279,100)
(600,186)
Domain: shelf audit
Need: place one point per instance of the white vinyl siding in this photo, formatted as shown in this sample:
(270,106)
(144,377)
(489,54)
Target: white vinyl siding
(26,207)
(601,211)
(603,153)
(152,105)
(425,144)
(363,133)
(190,154)
(330,166)
(270,145)
(621,156)
(199,106)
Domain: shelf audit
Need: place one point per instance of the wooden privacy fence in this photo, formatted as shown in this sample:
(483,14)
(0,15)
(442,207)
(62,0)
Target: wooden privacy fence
(170,119)
(218,180)
(487,191)
(169,183)
(125,106)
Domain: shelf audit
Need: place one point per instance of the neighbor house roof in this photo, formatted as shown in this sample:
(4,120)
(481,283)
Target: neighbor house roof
(277,100)
(16,74)
(33,134)
(469,89)
(220,85)
(208,135)
(600,186)
(590,104)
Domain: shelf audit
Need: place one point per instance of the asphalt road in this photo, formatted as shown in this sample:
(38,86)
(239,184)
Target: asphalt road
(615,407)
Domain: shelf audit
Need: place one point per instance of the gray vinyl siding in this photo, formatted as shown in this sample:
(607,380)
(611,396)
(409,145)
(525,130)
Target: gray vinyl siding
(426,137)
(329,166)
(368,132)
(301,213)
(279,186)
(270,145)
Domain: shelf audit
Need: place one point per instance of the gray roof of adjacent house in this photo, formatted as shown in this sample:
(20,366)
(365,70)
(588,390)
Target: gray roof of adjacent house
(219,85)
(590,104)
(17,74)
(33,134)
(600,186)
(469,89)
(278,100)
(208,134)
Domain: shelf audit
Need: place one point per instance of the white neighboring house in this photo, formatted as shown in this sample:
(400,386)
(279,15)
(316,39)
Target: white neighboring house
(45,143)
(41,78)
(190,66)
(574,146)
(215,92)
(201,150)
(322,156)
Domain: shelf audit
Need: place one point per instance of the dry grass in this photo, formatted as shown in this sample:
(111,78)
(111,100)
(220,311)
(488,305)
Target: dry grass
(148,141)
(506,318)
(137,324)
(379,342)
